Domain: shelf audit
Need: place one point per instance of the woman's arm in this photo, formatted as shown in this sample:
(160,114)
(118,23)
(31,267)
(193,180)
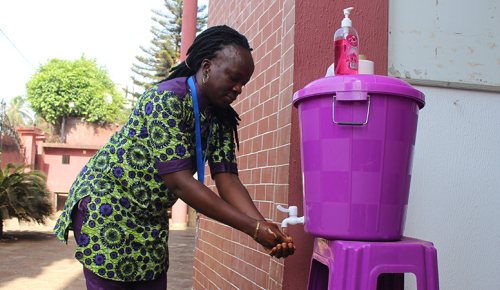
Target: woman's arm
(208,203)
(233,192)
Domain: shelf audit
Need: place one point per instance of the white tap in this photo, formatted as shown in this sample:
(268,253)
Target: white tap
(292,218)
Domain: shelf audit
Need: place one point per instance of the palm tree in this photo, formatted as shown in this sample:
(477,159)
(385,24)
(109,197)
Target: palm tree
(23,194)
(19,112)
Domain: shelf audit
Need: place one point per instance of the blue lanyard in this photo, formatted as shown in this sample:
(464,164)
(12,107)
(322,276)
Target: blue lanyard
(200,161)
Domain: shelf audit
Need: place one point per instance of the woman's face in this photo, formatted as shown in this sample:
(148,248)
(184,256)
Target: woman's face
(228,72)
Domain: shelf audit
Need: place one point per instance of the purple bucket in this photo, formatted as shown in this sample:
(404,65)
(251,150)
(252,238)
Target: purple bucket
(357,141)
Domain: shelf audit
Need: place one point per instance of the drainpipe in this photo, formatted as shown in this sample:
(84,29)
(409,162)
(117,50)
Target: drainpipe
(188,33)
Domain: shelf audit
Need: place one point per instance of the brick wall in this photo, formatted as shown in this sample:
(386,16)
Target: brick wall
(226,258)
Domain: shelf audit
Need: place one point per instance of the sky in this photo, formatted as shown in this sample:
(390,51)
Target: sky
(109,31)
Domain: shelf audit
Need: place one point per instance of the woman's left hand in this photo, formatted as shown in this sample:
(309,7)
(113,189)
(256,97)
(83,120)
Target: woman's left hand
(284,246)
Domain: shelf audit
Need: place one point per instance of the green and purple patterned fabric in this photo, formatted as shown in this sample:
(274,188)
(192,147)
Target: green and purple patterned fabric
(125,232)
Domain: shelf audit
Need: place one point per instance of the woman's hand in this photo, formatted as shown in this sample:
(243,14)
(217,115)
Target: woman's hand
(270,237)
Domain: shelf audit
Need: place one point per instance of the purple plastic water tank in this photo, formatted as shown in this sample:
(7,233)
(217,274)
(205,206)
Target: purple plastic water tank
(357,141)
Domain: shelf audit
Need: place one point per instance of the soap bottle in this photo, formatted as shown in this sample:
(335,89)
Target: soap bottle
(346,43)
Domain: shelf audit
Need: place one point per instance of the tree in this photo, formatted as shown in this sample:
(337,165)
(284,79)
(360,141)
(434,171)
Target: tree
(19,113)
(23,195)
(165,45)
(79,88)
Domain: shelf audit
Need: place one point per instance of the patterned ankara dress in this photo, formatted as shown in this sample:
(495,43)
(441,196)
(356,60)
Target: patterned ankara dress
(125,231)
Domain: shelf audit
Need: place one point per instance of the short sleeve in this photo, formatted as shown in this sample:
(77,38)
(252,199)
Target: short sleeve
(169,138)
(222,157)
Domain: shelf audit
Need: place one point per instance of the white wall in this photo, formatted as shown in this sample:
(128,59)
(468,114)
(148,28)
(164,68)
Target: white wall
(448,41)
(455,190)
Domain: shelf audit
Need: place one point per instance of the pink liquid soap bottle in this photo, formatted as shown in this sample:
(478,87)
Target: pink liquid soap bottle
(346,42)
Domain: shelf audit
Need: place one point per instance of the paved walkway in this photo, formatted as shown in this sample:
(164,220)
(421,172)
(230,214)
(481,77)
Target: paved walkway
(32,258)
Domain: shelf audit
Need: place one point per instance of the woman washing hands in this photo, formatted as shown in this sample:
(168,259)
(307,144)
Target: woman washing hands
(117,206)
(283,244)
(222,60)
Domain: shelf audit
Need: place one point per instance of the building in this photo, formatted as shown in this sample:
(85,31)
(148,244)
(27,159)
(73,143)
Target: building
(455,182)
(62,162)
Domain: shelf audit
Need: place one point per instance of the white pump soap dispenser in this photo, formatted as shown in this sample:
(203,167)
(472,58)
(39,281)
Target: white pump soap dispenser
(347,22)
(346,43)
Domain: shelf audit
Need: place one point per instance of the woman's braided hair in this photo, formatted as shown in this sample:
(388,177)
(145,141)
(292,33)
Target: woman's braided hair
(205,46)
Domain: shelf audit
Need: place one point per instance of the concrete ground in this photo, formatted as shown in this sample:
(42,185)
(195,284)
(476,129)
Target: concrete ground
(32,258)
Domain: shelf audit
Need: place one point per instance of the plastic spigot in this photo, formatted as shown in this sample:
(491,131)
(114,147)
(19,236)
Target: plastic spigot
(292,216)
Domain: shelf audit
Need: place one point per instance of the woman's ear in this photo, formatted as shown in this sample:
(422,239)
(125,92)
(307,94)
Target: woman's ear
(205,66)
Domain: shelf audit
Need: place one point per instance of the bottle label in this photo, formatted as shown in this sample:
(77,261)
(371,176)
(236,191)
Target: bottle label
(346,55)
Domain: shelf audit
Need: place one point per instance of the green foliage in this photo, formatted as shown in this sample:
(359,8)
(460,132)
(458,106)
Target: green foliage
(23,194)
(19,113)
(79,88)
(165,48)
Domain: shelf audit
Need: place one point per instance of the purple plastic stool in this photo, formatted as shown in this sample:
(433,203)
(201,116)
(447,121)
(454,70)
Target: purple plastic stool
(356,265)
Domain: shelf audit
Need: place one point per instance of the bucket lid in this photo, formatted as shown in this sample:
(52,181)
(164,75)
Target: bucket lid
(359,83)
